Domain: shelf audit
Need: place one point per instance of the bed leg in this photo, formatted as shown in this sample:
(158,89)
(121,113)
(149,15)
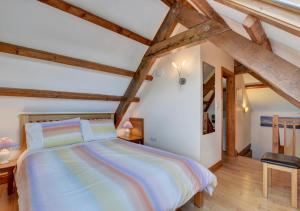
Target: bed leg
(198,199)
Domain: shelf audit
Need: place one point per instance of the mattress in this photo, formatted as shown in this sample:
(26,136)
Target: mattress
(108,175)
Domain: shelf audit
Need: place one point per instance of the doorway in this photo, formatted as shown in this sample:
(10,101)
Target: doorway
(229,98)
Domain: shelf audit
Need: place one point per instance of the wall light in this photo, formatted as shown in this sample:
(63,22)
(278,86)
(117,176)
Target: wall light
(246,109)
(181,79)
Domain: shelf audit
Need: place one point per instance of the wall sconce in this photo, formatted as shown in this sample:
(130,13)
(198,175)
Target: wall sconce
(246,109)
(181,79)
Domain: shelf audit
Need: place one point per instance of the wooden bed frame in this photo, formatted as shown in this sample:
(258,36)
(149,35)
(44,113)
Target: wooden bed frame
(48,117)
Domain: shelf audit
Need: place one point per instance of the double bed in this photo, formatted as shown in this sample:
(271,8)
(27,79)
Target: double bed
(106,175)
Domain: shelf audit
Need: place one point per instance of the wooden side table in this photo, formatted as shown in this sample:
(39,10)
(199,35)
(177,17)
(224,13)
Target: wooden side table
(9,169)
(132,138)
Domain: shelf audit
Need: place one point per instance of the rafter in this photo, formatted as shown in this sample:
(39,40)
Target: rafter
(52,57)
(164,32)
(83,14)
(187,38)
(256,32)
(280,75)
(205,7)
(256,86)
(276,16)
(18,92)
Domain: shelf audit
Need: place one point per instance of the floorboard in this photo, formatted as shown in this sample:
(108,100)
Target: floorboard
(239,188)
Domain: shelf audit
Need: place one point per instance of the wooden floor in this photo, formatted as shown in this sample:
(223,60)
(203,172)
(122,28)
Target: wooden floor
(239,188)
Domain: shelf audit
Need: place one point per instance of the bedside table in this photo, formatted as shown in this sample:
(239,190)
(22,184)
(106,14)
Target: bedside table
(132,138)
(9,169)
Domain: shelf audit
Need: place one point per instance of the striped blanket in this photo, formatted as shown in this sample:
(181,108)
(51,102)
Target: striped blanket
(112,175)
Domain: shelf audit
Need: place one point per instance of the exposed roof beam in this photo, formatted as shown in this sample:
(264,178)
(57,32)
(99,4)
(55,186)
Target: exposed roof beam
(256,86)
(256,32)
(280,75)
(205,7)
(83,14)
(52,57)
(187,38)
(164,32)
(189,17)
(18,92)
(276,16)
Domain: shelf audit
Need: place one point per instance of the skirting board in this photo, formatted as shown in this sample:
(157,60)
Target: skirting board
(216,166)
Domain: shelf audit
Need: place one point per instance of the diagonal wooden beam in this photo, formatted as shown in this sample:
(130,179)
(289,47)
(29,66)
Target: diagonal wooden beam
(253,27)
(274,15)
(164,32)
(18,92)
(83,14)
(52,57)
(256,86)
(280,75)
(187,38)
(205,7)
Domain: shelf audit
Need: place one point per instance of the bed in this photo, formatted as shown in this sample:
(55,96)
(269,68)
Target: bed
(106,175)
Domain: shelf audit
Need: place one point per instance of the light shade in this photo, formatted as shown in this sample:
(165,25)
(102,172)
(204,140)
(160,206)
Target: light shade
(6,142)
(127,125)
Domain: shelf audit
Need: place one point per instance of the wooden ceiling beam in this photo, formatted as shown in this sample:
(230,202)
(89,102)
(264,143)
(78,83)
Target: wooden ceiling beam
(83,14)
(274,15)
(256,86)
(18,92)
(205,7)
(164,31)
(280,75)
(253,27)
(187,38)
(52,57)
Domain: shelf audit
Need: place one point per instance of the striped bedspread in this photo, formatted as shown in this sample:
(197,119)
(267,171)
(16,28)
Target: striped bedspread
(112,175)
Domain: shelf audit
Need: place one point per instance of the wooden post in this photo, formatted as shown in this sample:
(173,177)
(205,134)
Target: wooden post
(265,180)
(284,137)
(294,186)
(275,135)
(294,139)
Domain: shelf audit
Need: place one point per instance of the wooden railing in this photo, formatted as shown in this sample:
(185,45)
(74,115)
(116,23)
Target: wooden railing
(287,122)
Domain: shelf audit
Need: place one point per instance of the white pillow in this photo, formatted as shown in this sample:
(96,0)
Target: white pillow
(34,136)
(102,129)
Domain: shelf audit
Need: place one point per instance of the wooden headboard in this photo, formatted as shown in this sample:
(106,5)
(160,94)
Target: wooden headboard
(30,118)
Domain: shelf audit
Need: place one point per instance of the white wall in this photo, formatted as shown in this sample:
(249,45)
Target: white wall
(243,119)
(172,113)
(261,137)
(211,144)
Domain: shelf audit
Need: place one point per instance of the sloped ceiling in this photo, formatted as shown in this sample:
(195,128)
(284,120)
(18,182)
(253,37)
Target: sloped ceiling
(33,24)
(284,44)
(265,99)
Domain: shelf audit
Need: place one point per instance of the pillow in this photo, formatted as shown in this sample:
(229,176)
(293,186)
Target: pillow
(98,129)
(34,136)
(60,133)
